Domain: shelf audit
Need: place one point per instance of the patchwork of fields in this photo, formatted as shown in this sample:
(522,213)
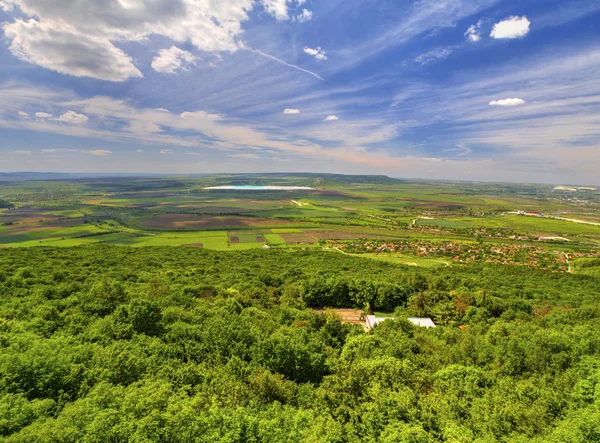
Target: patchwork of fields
(180,212)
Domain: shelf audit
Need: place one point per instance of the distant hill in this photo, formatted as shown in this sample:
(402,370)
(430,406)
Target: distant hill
(22,176)
(307,178)
(255,178)
(31,176)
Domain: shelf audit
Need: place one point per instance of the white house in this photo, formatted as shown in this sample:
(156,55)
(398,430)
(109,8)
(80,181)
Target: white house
(424,322)
(372,321)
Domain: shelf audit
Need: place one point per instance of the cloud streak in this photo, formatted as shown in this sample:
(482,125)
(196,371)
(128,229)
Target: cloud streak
(271,57)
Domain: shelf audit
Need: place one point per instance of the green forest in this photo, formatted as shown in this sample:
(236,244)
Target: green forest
(112,344)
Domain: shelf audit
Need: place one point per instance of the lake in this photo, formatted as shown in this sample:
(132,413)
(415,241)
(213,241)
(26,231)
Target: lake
(260,188)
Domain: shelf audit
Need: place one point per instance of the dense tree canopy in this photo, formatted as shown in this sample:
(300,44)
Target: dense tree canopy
(5,204)
(180,345)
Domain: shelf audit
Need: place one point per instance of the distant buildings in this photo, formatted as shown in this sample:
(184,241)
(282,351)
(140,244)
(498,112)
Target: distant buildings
(575,189)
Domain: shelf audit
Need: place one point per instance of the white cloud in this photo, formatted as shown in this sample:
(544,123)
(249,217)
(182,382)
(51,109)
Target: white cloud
(433,55)
(277,8)
(332,118)
(67,51)
(166,151)
(169,61)
(511,27)
(317,53)
(43,115)
(77,38)
(23,114)
(508,102)
(473,34)
(291,111)
(100,152)
(73,117)
(140,151)
(304,16)
(6,5)
(23,152)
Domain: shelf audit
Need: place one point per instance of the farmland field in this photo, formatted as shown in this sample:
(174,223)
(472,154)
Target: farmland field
(330,212)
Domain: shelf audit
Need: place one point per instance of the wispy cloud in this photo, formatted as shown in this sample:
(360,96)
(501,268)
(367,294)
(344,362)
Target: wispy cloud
(304,16)
(73,117)
(100,152)
(460,149)
(425,16)
(246,156)
(330,118)
(57,150)
(291,111)
(566,12)
(434,55)
(473,34)
(317,52)
(169,61)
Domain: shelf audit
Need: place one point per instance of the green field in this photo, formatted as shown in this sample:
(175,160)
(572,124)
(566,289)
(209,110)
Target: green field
(179,211)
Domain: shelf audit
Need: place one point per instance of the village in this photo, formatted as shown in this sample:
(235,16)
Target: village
(505,254)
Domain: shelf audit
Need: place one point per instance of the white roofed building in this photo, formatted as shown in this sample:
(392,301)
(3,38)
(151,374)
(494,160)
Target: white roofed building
(371,321)
(424,322)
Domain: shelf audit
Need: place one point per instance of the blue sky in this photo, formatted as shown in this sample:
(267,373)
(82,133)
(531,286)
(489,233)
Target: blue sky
(445,89)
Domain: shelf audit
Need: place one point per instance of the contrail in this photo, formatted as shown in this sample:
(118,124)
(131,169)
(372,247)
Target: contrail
(264,54)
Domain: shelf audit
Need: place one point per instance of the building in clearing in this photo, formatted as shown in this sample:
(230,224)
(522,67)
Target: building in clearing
(372,321)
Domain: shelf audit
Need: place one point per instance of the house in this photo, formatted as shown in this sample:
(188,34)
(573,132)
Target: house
(371,321)
(424,322)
